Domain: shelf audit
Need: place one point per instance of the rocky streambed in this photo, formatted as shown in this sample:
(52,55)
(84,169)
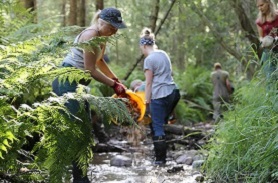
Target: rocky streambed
(128,156)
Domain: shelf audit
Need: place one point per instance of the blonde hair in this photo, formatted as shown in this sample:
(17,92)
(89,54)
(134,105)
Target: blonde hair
(147,34)
(272,11)
(217,65)
(95,17)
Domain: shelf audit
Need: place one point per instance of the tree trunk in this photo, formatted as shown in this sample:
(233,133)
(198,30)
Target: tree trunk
(139,59)
(117,42)
(63,12)
(180,38)
(247,26)
(73,13)
(154,14)
(99,5)
(32,6)
(82,13)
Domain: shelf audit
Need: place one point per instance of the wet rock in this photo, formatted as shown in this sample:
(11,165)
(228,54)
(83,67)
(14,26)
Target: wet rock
(120,161)
(200,178)
(175,169)
(197,164)
(100,148)
(198,157)
(184,159)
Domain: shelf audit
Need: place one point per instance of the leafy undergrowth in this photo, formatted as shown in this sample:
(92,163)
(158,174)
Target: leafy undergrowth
(245,145)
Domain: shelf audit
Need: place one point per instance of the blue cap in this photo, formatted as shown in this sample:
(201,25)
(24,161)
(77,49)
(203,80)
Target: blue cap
(113,16)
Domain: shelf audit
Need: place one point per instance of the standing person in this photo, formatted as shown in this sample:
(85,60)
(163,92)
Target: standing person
(267,25)
(221,89)
(105,23)
(161,93)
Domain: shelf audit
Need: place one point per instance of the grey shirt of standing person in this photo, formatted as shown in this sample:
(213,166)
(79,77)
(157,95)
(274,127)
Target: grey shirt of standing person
(160,64)
(220,91)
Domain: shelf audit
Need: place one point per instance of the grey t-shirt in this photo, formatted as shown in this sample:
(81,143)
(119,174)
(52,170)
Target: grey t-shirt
(160,64)
(220,90)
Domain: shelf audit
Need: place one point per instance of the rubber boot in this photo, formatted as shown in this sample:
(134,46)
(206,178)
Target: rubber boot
(98,130)
(160,149)
(77,174)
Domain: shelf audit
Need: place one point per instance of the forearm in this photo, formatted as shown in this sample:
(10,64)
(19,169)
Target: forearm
(103,67)
(99,76)
(148,92)
(148,87)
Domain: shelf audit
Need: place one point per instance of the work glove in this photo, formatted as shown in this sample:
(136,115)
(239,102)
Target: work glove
(119,88)
(267,41)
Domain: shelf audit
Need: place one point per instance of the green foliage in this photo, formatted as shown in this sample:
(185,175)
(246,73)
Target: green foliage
(187,114)
(196,90)
(244,147)
(27,108)
(9,12)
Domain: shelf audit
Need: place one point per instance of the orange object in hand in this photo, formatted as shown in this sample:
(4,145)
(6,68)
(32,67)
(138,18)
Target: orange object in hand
(136,104)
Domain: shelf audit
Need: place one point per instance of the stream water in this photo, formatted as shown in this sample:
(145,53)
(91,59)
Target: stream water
(138,147)
(141,170)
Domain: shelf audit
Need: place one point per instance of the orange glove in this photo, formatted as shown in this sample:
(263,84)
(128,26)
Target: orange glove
(119,88)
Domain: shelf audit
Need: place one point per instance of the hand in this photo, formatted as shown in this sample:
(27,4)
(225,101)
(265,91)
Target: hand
(119,88)
(267,41)
(117,80)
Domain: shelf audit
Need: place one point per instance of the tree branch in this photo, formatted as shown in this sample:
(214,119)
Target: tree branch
(216,34)
(139,59)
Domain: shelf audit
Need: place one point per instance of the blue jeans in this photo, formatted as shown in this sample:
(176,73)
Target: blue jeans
(160,111)
(61,88)
(64,87)
(269,63)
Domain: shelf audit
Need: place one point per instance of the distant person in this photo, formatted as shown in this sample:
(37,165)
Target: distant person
(267,25)
(161,93)
(221,90)
(105,23)
(137,85)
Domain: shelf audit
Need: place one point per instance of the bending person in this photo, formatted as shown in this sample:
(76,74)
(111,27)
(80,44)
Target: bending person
(105,23)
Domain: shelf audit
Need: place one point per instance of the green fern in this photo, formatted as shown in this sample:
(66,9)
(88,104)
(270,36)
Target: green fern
(28,107)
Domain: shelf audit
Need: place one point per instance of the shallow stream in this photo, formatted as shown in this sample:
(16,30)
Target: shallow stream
(141,170)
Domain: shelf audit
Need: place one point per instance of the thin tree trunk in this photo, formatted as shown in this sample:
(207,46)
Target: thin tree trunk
(63,12)
(154,14)
(32,6)
(99,5)
(215,33)
(140,58)
(82,13)
(180,39)
(117,43)
(73,13)
(250,33)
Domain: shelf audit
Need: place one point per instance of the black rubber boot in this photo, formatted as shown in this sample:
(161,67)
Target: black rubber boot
(160,149)
(98,130)
(78,175)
